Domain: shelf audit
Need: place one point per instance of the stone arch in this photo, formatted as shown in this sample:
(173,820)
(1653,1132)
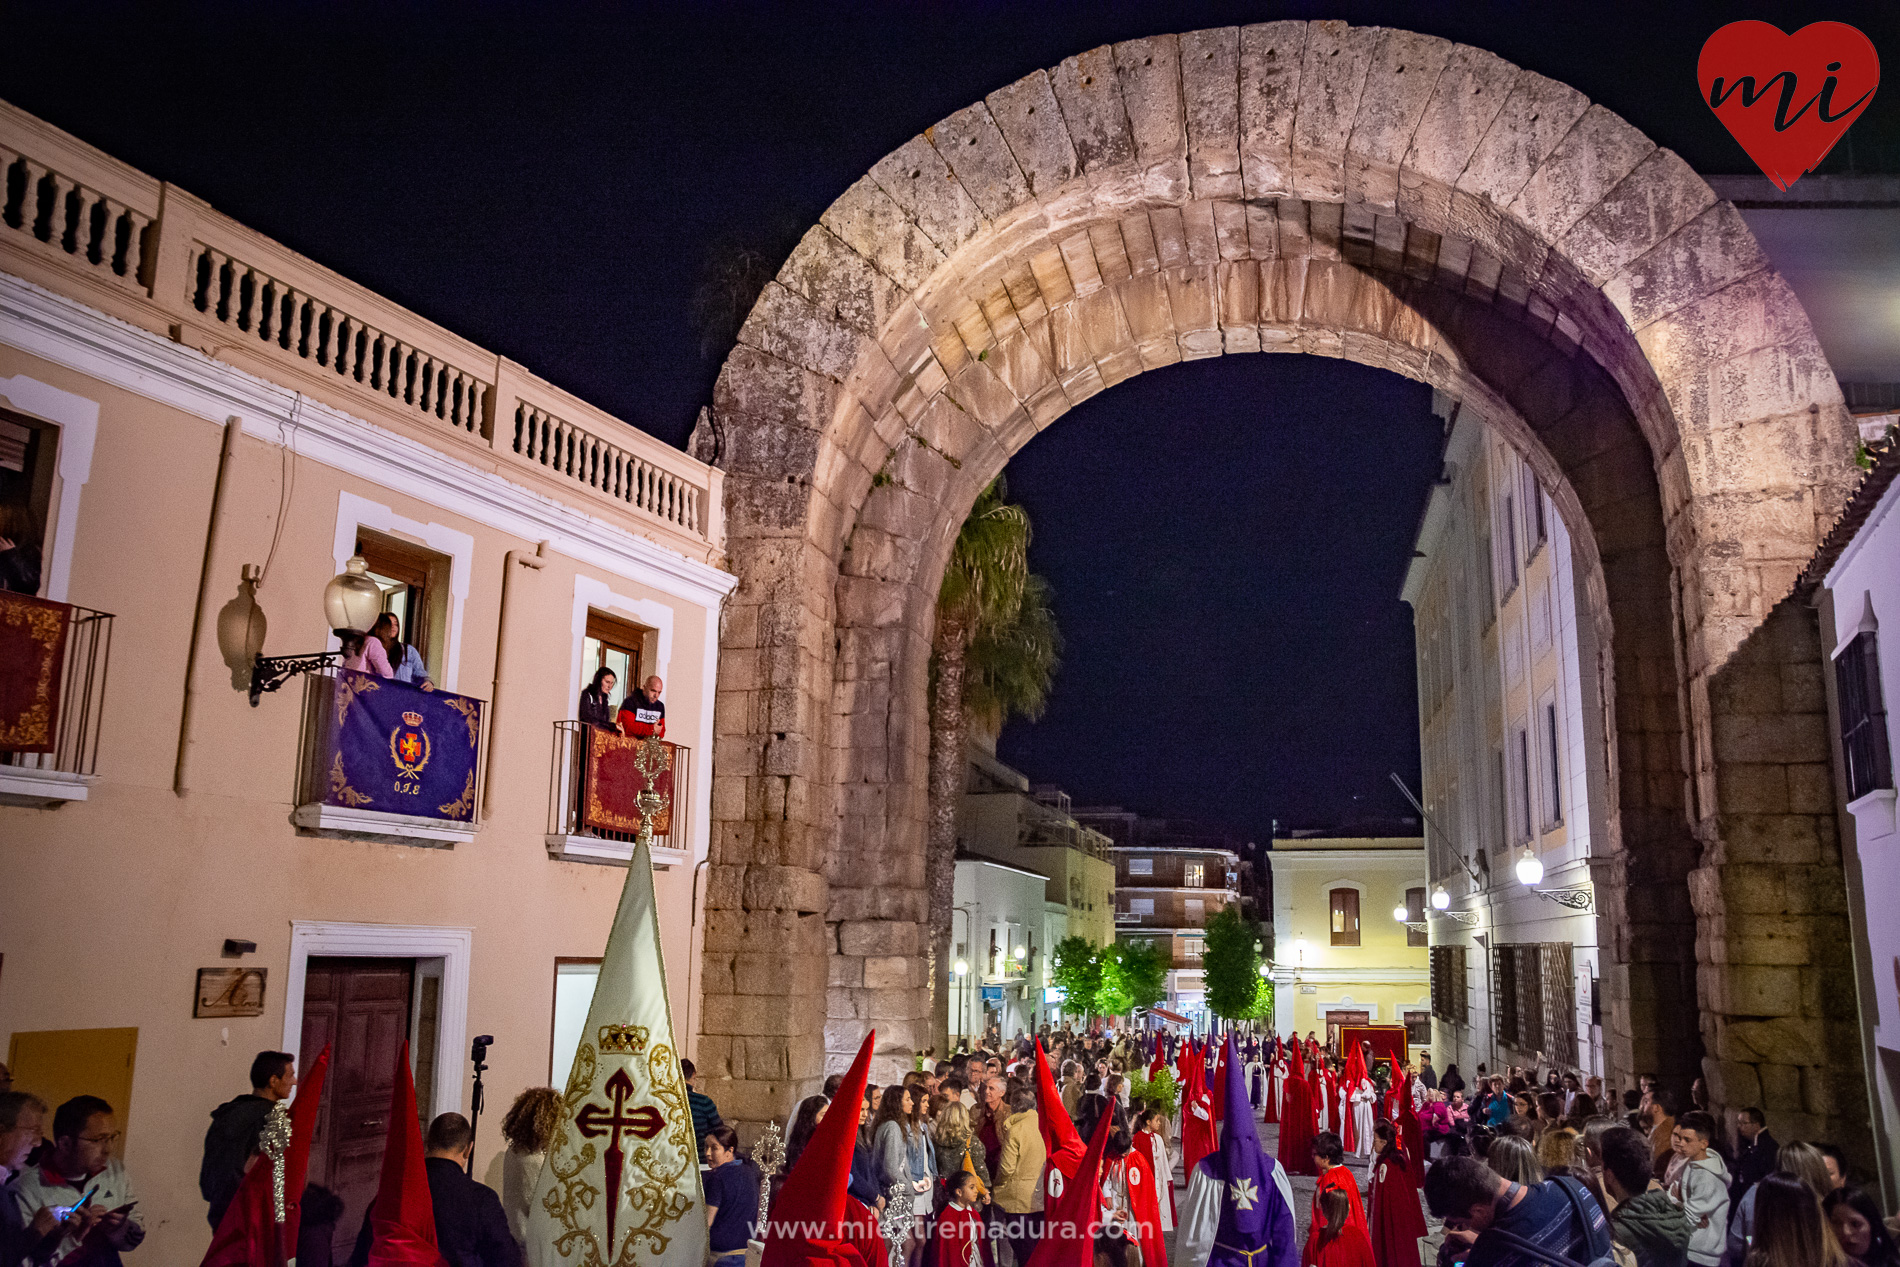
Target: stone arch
(1291,186)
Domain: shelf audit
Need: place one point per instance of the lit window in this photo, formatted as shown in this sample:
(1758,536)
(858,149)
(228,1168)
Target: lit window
(1192,875)
(1345,917)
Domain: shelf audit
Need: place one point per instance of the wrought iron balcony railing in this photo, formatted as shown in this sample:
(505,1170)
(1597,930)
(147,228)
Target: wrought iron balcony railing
(52,695)
(602,789)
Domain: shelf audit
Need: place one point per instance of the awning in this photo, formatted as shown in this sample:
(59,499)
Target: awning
(1166,1015)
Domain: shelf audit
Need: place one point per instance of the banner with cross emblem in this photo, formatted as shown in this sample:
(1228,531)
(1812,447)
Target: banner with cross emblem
(621,1184)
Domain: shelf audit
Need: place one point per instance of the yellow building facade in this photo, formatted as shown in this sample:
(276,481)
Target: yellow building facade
(1349,936)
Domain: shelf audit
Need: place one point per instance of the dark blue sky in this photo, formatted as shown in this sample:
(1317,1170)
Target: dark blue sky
(1226,540)
(549,179)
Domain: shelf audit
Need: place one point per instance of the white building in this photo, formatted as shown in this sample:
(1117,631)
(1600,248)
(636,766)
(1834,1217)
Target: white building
(1001,932)
(1855,583)
(1511,753)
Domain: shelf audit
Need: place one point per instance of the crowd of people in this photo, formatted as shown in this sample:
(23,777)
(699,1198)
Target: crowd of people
(964,1157)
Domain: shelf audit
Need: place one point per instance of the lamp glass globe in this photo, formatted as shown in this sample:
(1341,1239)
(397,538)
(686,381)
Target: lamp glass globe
(1265,970)
(1441,900)
(1399,912)
(352,600)
(1530,870)
(961,967)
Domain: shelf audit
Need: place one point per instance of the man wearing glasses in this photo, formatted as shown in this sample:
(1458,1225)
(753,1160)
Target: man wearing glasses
(85,1187)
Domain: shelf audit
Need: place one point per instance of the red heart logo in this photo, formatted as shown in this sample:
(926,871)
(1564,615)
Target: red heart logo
(1787,98)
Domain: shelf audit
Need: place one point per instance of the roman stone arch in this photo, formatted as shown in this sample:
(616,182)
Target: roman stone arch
(1292,186)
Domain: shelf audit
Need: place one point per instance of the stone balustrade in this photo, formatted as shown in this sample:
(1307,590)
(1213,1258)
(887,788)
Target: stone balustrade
(82,224)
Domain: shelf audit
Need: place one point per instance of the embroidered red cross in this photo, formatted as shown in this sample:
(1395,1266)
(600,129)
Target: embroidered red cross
(594,1121)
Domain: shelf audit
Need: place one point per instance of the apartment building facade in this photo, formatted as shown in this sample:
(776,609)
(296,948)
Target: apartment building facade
(1512,755)
(1170,879)
(201,430)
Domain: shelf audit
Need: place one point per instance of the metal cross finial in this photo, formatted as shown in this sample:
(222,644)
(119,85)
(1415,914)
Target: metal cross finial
(768,1154)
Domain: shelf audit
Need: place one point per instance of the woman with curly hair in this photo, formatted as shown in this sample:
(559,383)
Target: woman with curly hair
(528,1127)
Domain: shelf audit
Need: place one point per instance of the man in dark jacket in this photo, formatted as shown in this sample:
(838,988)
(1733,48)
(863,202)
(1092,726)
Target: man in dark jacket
(235,1124)
(1755,1157)
(470,1228)
(1646,1218)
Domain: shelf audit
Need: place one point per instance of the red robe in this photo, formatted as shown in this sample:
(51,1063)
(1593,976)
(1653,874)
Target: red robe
(1397,1222)
(1411,1133)
(1149,1146)
(959,1239)
(1219,1087)
(1335,1177)
(1144,1203)
(1198,1135)
(1296,1122)
(1350,1248)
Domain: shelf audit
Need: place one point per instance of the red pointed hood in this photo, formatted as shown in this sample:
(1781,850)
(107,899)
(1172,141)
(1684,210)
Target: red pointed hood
(813,1195)
(1060,1139)
(246,1237)
(1070,1219)
(403,1219)
(1356,1071)
(1296,1061)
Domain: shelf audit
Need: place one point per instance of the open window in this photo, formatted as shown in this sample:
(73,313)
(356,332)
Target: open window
(28,459)
(619,646)
(1344,904)
(415,585)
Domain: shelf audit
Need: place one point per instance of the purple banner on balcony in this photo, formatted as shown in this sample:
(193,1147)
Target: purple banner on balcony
(619,769)
(399,749)
(32,651)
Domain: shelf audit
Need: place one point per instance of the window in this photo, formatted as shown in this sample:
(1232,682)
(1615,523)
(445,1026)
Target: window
(1554,807)
(1141,906)
(1195,910)
(1864,743)
(1449,998)
(1536,528)
(1141,866)
(995,969)
(614,645)
(1192,874)
(1504,993)
(415,585)
(27,453)
(1507,561)
(1500,804)
(1418,1029)
(1488,612)
(573,995)
(1345,917)
(1522,808)
(1191,948)
(1415,931)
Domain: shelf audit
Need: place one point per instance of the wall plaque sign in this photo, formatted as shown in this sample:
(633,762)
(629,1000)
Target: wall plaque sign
(230,992)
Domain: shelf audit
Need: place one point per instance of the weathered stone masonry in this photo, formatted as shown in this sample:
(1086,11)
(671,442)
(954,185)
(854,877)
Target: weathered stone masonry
(1291,186)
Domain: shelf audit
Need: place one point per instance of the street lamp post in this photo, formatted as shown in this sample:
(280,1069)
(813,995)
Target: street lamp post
(351,603)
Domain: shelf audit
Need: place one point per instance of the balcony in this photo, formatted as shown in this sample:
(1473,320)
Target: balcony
(53,659)
(595,783)
(383,760)
(81,224)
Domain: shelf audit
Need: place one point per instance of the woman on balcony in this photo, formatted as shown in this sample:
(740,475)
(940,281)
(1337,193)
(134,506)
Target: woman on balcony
(597,707)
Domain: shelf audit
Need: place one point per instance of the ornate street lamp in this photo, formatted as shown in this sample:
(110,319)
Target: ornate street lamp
(961,967)
(1400,913)
(1441,900)
(1530,868)
(351,603)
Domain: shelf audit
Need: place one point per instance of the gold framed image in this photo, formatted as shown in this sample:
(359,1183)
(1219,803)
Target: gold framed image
(230,992)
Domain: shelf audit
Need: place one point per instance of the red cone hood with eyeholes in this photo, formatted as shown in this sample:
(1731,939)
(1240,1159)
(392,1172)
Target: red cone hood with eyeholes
(813,1196)
(1070,1219)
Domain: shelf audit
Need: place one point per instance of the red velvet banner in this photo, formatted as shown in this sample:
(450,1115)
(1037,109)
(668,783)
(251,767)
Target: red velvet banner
(1386,1040)
(32,653)
(619,769)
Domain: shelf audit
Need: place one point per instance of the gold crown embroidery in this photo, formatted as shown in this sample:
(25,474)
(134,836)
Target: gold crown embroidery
(628,1039)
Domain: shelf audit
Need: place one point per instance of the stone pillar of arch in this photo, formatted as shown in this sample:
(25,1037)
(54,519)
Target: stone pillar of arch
(1307,187)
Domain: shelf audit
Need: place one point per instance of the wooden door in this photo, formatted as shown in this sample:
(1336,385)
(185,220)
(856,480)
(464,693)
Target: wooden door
(360,1007)
(1335,1021)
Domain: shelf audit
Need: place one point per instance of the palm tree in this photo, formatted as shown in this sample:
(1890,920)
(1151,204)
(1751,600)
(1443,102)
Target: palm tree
(993,656)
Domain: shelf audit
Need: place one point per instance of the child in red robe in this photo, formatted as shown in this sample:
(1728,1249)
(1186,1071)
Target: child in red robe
(958,1235)
(1334,1176)
(1337,1241)
(1397,1222)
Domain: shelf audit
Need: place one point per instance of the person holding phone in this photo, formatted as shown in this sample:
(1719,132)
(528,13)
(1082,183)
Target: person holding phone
(85,1187)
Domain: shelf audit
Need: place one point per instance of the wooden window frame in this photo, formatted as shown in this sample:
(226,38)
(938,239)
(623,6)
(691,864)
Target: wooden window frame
(1866,756)
(1416,934)
(1337,913)
(426,574)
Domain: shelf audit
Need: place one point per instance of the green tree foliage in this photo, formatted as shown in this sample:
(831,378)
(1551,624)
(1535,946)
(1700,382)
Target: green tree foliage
(1232,965)
(1163,1088)
(1145,971)
(1077,972)
(1112,996)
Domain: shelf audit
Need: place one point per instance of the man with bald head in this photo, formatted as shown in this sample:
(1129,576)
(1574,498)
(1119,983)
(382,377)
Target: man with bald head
(642,715)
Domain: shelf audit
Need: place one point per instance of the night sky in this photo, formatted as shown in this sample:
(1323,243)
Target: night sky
(552,180)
